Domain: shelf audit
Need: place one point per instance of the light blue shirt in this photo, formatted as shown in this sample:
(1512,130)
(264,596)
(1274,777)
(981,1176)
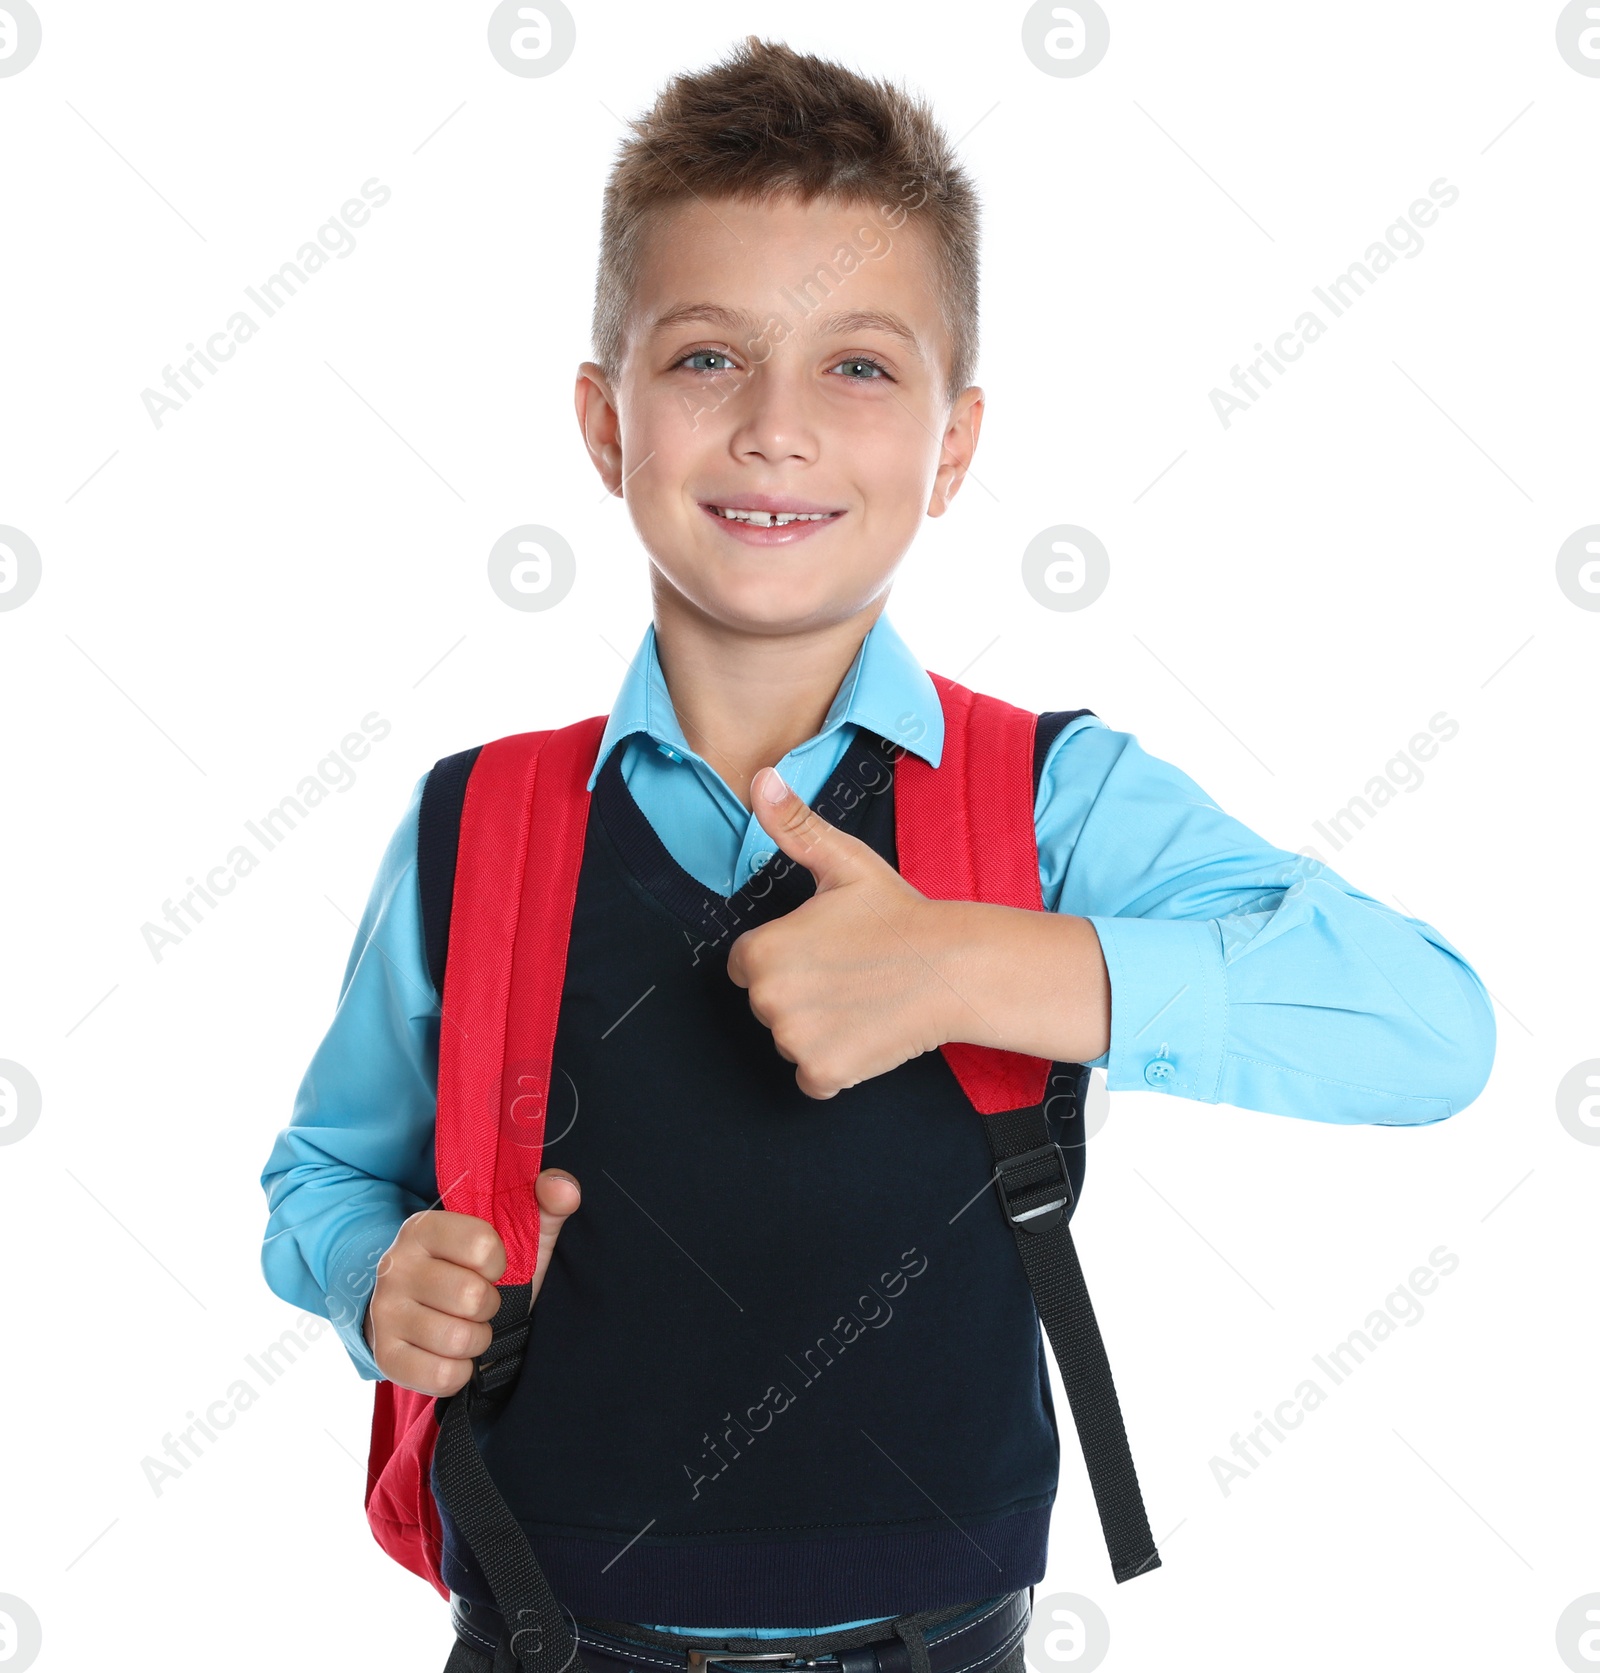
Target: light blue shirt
(1240,973)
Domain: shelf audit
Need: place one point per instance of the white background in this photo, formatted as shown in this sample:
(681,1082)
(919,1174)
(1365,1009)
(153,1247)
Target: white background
(224,597)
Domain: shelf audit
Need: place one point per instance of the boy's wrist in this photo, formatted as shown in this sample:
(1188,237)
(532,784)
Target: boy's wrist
(1031,982)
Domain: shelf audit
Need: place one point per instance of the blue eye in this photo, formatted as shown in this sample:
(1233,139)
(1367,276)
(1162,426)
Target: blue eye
(706,354)
(861,360)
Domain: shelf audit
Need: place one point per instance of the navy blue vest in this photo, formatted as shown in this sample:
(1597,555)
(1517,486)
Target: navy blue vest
(785,1368)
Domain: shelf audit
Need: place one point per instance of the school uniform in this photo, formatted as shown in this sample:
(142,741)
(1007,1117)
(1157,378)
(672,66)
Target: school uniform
(1238,973)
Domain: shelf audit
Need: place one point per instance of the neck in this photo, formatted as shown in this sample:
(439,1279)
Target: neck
(746,698)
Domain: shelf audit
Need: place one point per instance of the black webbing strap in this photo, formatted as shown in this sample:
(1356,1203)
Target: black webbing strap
(1036,1194)
(538,1638)
(465,1659)
(911,1630)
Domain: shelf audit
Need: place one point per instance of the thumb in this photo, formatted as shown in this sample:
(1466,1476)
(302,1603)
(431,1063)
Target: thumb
(558,1194)
(831,856)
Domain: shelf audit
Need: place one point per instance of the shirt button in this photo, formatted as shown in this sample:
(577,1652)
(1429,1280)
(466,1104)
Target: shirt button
(668,751)
(758,860)
(1159,1071)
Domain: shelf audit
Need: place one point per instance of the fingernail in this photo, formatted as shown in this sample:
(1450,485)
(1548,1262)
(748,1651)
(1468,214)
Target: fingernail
(774,789)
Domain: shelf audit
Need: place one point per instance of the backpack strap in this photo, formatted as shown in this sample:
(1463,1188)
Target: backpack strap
(438,833)
(965,831)
(490,1059)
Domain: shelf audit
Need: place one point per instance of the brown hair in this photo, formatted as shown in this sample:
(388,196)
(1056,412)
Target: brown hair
(769,121)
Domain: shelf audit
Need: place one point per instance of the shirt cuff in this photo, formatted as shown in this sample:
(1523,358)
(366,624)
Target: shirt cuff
(1169,1005)
(352,1271)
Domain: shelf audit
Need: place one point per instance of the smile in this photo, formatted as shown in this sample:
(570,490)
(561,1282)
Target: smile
(769,526)
(771,519)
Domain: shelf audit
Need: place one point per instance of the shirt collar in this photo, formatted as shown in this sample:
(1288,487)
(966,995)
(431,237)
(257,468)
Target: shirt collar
(885,690)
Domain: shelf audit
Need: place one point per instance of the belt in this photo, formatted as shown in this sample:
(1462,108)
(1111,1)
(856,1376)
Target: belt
(966,1643)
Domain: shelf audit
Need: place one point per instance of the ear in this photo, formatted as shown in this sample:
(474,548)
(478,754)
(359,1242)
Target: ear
(600,424)
(959,443)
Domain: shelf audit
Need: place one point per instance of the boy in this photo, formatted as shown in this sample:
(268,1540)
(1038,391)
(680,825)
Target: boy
(785,330)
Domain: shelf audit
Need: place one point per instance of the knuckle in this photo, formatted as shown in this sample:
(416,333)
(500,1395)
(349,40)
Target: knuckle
(826,1070)
(480,1300)
(418,1228)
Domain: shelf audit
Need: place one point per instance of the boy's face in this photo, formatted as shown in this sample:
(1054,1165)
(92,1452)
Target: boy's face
(781,358)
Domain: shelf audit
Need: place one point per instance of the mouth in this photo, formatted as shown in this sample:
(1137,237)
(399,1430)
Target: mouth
(763,521)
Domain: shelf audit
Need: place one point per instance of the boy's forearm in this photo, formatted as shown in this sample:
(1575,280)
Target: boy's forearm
(1033,982)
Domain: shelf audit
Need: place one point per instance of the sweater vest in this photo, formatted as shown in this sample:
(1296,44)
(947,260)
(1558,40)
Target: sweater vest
(785,1367)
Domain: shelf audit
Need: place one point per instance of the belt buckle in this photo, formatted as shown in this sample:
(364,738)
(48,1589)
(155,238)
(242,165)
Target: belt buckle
(699,1658)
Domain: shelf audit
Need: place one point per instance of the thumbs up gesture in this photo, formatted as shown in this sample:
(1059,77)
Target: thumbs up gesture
(856,980)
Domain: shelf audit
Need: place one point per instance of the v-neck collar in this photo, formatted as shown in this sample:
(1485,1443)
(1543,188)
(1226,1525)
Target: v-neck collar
(778,886)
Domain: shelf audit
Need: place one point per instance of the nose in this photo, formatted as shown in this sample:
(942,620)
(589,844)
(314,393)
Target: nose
(773,421)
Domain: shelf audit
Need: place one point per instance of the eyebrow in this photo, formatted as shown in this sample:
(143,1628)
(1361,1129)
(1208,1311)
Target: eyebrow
(737,319)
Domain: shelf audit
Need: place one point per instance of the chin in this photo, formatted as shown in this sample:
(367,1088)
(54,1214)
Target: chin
(771,610)
(767,606)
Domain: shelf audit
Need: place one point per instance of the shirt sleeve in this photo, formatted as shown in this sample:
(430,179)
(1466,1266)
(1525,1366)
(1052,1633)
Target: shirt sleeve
(1242,973)
(356,1159)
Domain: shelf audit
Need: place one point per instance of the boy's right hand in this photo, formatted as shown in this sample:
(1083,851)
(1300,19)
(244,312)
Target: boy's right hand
(428,1316)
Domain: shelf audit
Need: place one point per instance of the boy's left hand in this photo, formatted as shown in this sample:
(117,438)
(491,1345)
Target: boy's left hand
(853,982)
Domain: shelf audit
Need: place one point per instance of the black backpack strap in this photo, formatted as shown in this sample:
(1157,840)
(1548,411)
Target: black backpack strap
(1068,1085)
(538,1634)
(469,1658)
(1036,1196)
(1038,1157)
(465,1659)
(438,836)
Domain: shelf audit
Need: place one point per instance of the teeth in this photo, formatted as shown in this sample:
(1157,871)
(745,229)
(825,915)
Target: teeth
(767,519)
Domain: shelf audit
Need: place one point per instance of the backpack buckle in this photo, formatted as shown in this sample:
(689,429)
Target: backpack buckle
(500,1362)
(1038,1216)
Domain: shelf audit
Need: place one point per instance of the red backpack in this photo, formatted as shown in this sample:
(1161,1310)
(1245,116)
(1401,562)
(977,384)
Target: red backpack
(963,832)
